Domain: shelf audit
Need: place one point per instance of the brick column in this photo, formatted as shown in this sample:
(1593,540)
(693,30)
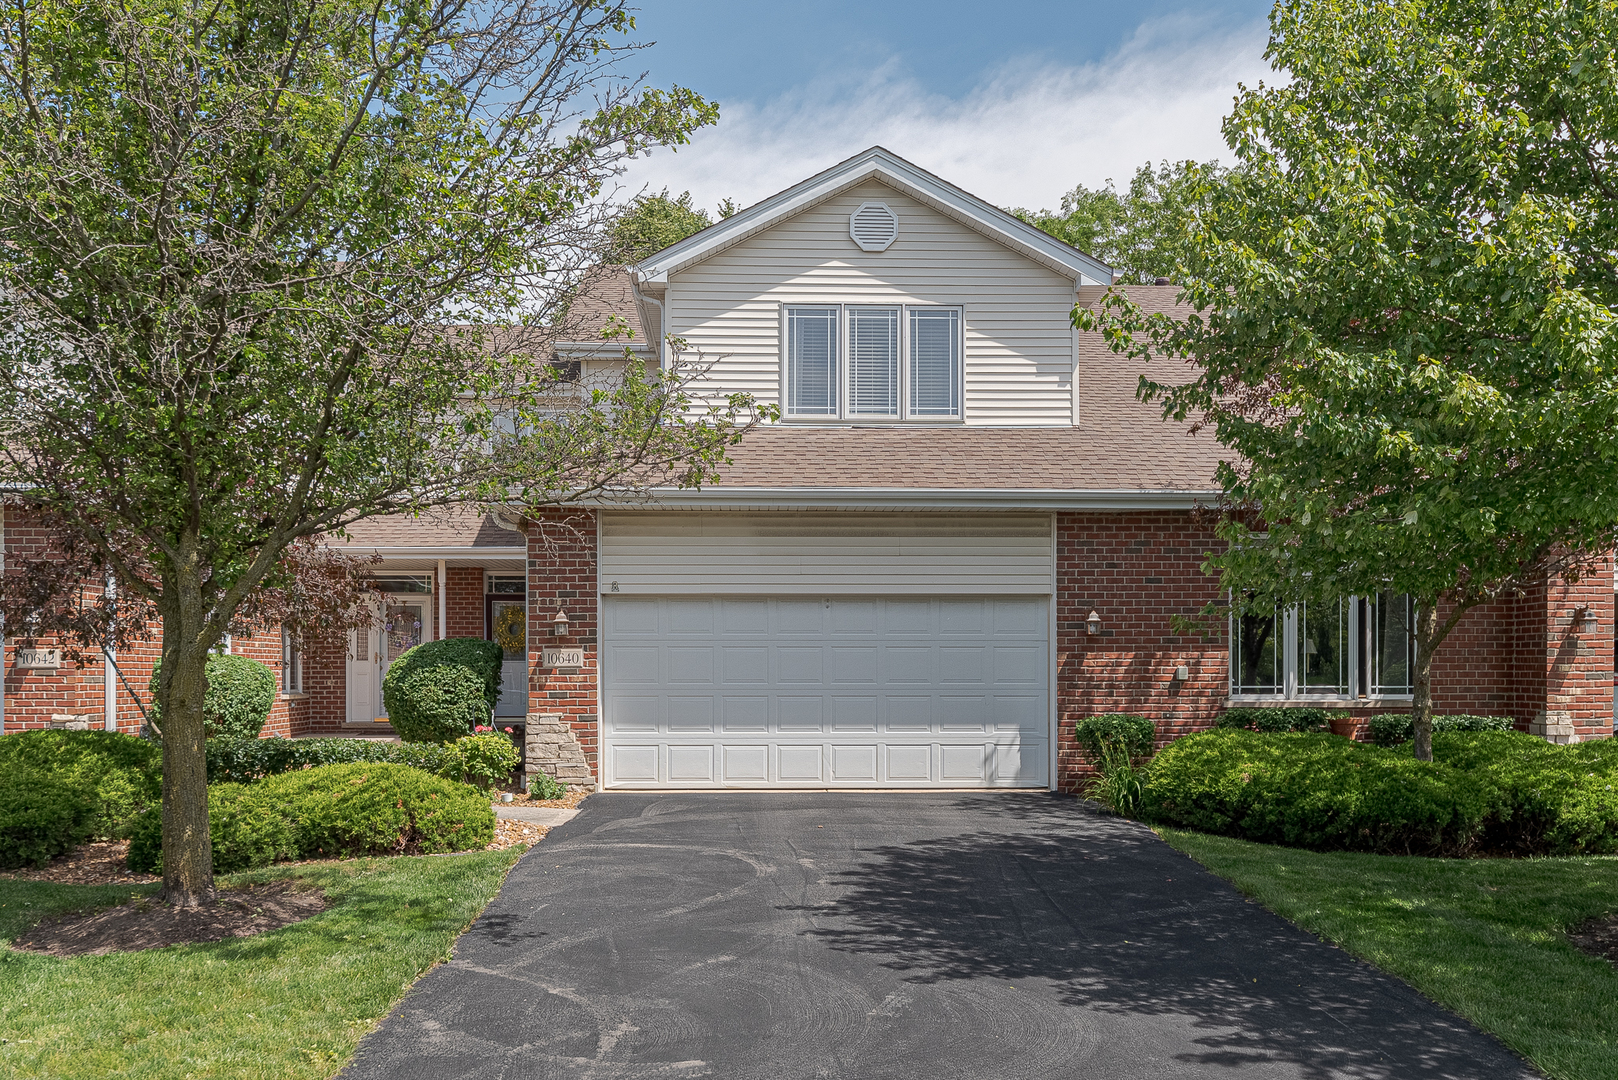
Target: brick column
(563,706)
(1564,662)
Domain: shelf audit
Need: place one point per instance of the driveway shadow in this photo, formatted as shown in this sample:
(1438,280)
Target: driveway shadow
(1117,922)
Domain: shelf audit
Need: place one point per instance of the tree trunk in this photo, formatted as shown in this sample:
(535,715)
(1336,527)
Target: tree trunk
(183,682)
(1421,708)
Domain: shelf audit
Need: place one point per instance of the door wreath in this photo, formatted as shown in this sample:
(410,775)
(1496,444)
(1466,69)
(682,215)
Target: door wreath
(511,628)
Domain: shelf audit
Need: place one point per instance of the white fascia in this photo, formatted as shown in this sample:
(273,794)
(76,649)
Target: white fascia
(900,174)
(865,498)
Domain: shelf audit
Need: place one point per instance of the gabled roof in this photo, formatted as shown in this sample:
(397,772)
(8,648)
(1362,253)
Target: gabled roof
(893,170)
(605,293)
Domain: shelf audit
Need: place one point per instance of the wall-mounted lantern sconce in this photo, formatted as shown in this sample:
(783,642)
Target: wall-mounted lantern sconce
(559,623)
(1092,624)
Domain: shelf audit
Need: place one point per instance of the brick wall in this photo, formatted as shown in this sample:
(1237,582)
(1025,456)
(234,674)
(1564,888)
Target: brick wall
(464,613)
(1136,571)
(562,574)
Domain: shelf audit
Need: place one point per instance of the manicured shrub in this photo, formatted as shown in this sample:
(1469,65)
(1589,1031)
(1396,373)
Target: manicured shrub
(1550,799)
(365,808)
(245,760)
(489,758)
(40,817)
(1317,791)
(120,775)
(440,690)
(1258,718)
(1134,735)
(1391,729)
(241,692)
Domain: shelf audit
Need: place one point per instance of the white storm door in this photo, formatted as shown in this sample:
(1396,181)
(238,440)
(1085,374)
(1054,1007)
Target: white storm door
(404,626)
(508,620)
(363,689)
(798,691)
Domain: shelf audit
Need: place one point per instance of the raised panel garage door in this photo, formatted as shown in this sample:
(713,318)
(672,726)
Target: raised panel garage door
(910,691)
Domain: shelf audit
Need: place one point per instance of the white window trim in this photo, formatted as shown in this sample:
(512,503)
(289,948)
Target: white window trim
(291,666)
(1290,694)
(844,415)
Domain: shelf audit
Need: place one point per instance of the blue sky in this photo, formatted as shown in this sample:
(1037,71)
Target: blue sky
(1015,101)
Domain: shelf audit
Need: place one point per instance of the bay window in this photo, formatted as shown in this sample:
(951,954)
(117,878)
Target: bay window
(864,362)
(1355,647)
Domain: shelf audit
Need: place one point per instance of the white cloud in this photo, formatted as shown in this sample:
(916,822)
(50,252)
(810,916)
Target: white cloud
(1019,139)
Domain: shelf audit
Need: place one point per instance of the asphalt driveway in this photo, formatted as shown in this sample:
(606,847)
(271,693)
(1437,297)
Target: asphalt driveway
(783,936)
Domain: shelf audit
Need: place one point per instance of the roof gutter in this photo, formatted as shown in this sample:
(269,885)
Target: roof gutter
(866,498)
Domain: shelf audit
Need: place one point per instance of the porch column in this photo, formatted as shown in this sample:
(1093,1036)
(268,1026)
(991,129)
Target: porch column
(443,602)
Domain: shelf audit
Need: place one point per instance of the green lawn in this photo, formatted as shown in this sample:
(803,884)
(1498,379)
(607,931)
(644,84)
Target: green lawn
(291,1003)
(1483,937)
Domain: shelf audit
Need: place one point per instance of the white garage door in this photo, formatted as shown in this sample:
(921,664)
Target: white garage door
(796,691)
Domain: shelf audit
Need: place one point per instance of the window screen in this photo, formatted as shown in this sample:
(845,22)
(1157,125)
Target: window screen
(873,361)
(1323,642)
(1393,646)
(935,362)
(1257,664)
(812,361)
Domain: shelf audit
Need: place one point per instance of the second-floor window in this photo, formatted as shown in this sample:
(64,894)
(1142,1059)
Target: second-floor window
(861,362)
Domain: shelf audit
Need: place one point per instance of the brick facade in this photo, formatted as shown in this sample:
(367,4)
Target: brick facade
(562,575)
(1545,658)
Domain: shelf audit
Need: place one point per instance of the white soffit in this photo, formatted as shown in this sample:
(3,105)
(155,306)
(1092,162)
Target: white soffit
(921,185)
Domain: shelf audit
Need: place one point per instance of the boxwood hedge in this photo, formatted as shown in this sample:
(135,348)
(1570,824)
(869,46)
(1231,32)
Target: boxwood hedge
(1258,718)
(1134,735)
(364,808)
(442,690)
(1485,792)
(241,692)
(1391,729)
(119,775)
(473,758)
(40,817)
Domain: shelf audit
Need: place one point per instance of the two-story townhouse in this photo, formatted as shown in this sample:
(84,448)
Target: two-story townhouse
(964,533)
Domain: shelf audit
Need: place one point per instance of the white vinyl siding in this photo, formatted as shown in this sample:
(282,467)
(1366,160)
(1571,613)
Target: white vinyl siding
(1017,360)
(779,552)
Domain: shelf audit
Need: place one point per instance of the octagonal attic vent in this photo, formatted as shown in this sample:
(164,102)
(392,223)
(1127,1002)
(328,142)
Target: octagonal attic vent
(873,226)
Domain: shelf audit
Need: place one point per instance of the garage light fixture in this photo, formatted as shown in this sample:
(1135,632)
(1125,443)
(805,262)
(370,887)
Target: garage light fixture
(1092,625)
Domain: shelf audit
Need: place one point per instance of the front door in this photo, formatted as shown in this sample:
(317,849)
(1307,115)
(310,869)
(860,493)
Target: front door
(404,622)
(507,620)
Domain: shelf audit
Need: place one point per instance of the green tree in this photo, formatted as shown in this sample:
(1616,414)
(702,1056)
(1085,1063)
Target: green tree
(1140,233)
(1405,296)
(267,269)
(651,223)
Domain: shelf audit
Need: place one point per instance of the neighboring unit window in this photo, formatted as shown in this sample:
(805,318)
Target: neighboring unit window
(812,361)
(291,664)
(1356,647)
(935,362)
(873,361)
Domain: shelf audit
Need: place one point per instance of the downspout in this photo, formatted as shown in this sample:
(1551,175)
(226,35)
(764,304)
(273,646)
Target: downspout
(443,602)
(109,665)
(662,322)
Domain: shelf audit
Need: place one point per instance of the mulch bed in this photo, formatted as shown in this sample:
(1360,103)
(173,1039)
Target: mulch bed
(570,801)
(1598,938)
(147,923)
(99,863)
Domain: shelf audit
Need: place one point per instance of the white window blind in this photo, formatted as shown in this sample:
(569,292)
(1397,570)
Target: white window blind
(935,362)
(812,361)
(873,361)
